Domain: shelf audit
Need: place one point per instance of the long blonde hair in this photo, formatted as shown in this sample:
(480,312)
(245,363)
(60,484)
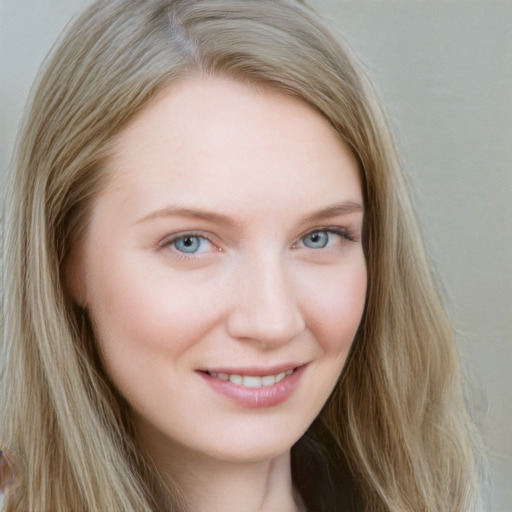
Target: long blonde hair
(396,426)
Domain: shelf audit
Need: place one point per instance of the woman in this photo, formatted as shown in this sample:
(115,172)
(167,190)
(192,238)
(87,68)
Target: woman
(217,295)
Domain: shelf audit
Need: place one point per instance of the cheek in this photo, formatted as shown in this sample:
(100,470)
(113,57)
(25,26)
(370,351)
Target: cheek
(139,313)
(336,307)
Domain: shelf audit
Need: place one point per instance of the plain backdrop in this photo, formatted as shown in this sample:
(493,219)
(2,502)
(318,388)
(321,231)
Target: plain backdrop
(444,69)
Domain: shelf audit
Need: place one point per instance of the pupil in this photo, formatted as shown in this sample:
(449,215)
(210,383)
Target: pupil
(188,244)
(317,240)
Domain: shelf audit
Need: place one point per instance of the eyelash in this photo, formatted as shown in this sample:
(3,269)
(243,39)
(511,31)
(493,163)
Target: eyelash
(168,242)
(335,230)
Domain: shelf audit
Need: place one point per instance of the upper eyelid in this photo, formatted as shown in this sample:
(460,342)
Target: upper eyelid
(336,229)
(169,239)
(332,228)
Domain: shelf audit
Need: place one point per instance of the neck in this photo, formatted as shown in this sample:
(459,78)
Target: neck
(225,486)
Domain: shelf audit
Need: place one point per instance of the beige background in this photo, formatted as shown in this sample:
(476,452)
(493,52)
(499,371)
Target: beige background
(445,70)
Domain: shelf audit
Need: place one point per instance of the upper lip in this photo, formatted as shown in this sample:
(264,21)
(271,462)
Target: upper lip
(254,370)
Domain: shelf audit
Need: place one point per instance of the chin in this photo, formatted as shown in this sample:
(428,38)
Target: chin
(255,446)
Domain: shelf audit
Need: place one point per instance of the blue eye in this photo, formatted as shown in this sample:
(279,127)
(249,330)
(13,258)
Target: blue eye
(322,238)
(190,244)
(317,239)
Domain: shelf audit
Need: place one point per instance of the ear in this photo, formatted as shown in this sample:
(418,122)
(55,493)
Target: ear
(74,276)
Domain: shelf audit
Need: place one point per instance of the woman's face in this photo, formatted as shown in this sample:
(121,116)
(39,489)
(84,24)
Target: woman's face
(223,269)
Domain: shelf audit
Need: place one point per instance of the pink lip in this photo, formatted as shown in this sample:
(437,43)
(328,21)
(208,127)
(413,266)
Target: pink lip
(265,396)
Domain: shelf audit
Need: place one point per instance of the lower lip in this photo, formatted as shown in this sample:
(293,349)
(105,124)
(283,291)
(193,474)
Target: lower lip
(265,396)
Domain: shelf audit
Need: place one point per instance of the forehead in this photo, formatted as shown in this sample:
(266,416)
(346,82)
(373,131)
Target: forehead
(210,139)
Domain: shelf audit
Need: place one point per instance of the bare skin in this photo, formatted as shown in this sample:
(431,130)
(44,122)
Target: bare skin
(215,486)
(225,278)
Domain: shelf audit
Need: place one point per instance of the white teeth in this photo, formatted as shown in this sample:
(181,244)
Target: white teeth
(251,381)
(236,379)
(280,376)
(268,380)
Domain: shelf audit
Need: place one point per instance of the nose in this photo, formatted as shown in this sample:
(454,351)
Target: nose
(265,303)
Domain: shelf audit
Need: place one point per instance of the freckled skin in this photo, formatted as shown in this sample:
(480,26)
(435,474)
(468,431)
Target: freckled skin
(253,295)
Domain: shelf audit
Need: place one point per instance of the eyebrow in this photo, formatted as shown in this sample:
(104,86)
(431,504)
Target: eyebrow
(195,213)
(335,210)
(344,208)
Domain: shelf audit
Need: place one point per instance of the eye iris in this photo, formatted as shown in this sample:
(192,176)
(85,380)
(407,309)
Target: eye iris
(316,240)
(188,244)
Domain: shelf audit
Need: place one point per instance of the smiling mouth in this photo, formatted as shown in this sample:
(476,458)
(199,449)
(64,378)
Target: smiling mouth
(255,387)
(250,381)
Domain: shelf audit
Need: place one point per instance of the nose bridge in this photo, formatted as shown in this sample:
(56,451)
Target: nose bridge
(266,307)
